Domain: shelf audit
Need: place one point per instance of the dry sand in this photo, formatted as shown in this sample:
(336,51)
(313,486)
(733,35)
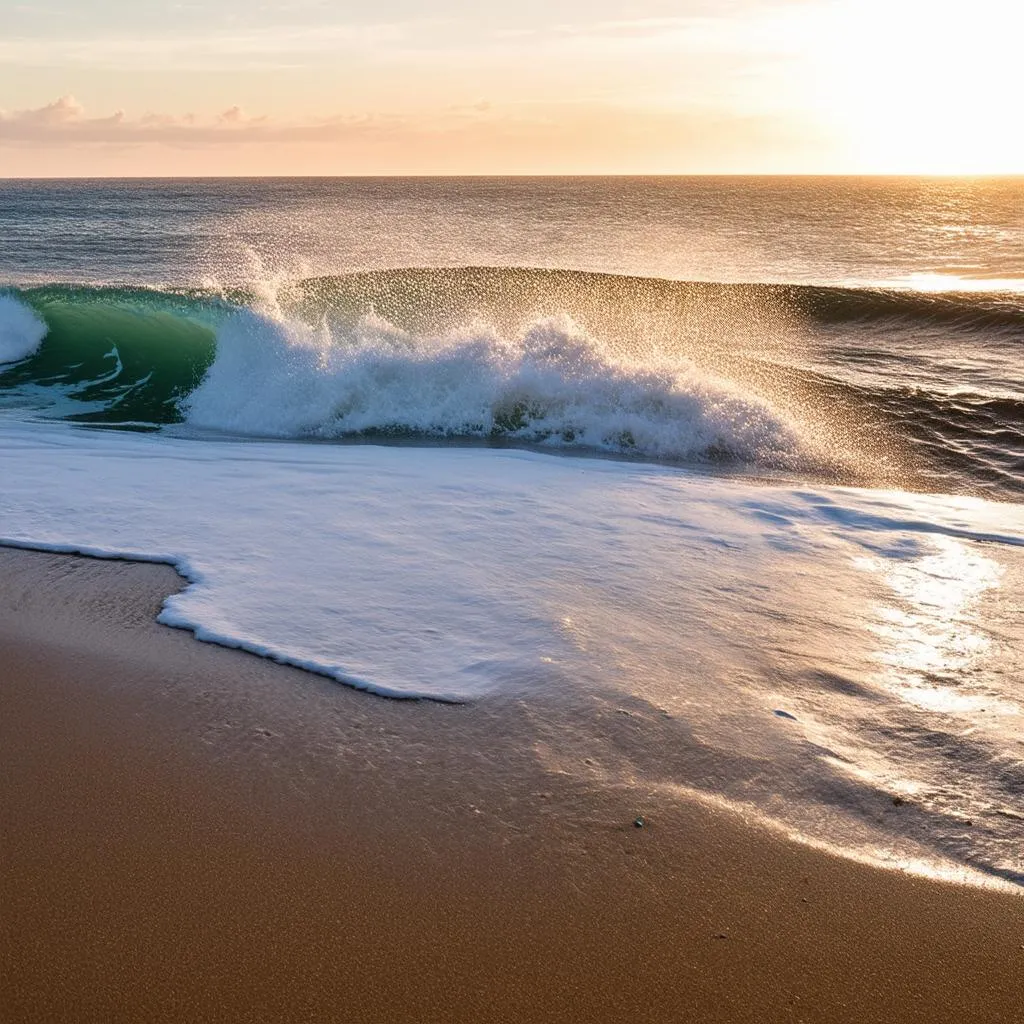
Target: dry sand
(193,834)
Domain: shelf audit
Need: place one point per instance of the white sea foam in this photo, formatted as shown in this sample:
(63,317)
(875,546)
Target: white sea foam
(21,330)
(886,626)
(551,384)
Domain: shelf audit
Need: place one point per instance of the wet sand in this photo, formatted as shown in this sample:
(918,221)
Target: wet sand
(193,834)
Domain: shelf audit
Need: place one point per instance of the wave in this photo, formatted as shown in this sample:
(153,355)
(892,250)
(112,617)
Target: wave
(551,384)
(856,384)
(106,355)
(21,330)
(398,294)
(952,440)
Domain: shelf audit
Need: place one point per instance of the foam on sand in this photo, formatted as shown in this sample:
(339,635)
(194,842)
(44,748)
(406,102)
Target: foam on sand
(878,621)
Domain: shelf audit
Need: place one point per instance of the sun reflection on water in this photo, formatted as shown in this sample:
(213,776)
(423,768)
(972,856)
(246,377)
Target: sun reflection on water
(935,641)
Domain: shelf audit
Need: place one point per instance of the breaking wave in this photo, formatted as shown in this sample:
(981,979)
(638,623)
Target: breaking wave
(800,378)
(551,384)
(21,330)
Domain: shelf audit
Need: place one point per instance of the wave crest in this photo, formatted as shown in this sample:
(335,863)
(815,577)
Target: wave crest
(550,384)
(21,330)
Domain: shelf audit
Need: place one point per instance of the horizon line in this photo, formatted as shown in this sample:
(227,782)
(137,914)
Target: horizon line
(908,175)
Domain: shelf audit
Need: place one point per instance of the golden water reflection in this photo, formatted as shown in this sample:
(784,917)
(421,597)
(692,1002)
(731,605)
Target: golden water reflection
(933,633)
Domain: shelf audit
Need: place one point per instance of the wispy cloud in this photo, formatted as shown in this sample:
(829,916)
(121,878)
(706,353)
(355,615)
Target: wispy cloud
(257,48)
(719,26)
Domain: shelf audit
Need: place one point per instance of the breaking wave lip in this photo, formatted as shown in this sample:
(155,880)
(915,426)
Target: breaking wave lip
(551,384)
(21,330)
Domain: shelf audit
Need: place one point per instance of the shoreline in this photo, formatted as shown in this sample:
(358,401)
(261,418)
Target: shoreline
(192,832)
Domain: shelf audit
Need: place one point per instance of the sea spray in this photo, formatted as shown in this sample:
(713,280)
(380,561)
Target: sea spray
(550,384)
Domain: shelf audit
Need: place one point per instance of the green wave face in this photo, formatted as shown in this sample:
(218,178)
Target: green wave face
(113,356)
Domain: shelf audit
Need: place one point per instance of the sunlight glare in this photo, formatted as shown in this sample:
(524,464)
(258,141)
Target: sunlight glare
(932,629)
(915,86)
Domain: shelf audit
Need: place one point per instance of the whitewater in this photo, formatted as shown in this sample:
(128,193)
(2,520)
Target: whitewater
(778,523)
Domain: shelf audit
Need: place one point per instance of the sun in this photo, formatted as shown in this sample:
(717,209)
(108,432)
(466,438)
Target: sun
(922,86)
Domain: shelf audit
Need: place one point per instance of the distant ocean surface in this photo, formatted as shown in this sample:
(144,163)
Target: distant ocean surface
(748,453)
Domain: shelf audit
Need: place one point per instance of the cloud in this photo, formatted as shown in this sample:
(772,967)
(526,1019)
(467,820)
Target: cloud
(262,47)
(478,137)
(62,111)
(442,35)
(65,121)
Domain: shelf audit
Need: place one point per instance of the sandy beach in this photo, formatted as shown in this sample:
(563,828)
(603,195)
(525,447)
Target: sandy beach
(194,834)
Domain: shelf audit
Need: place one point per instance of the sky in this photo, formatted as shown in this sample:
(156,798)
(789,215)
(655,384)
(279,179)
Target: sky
(131,87)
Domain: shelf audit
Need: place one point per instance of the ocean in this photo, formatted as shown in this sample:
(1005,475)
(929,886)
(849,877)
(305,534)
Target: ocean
(742,458)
